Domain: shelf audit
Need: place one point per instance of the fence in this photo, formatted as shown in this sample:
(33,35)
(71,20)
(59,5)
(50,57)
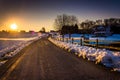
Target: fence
(107,44)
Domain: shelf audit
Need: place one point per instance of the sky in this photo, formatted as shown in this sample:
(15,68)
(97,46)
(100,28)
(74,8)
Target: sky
(35,14)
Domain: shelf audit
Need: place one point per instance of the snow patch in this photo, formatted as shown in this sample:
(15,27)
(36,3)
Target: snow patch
(107,58)
(9,51)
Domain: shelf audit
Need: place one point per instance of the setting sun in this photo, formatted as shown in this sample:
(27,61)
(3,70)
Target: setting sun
(13,26)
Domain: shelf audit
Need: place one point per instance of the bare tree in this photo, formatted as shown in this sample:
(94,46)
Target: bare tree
(66,24)
(42,30)
(65,20)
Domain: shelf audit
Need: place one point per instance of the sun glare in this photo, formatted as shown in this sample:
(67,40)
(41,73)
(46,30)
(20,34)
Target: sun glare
(13,26)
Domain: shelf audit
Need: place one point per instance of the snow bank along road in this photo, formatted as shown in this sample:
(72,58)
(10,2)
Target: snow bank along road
(42,60)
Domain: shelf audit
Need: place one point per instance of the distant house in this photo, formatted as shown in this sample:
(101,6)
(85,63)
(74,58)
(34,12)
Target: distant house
(32,32)
(101,31)
(53,33)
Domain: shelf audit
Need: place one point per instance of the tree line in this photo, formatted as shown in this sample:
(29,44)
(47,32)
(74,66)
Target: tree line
(69,24)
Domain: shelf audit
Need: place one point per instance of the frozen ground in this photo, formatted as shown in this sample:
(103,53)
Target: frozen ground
(107,58)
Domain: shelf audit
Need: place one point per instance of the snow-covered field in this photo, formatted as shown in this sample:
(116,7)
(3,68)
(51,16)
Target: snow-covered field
(11,46)
(107,58)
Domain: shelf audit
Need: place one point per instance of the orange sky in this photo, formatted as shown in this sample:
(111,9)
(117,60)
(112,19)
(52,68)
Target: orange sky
(27,25)
(35,14)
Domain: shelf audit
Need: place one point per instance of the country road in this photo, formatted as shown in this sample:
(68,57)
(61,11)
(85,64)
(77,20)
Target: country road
(44,61)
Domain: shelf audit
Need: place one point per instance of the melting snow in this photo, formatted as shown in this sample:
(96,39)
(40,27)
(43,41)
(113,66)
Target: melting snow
(107,58)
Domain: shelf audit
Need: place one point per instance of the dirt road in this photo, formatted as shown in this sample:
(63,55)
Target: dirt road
(44,61)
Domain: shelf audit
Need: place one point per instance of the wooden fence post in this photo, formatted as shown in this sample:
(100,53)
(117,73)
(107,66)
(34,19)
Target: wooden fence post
(67,40)
(96,43)
(63,39)
(72,40)
(81,41)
